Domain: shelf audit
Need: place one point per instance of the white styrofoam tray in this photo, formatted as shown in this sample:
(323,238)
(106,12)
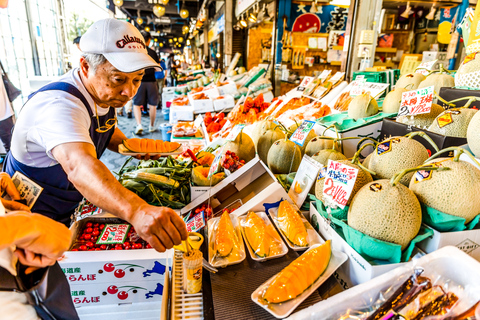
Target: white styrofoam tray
(282,310)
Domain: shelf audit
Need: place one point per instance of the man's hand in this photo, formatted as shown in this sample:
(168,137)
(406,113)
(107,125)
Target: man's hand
(6,185)
(161,227)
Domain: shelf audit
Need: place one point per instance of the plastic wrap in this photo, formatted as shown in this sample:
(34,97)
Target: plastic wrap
(223,234)
(271,245)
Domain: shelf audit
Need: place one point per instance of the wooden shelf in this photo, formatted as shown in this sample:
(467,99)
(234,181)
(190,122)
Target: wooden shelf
(386,50)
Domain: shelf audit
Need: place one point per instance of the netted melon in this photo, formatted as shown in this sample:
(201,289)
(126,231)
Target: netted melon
(468,74)
(438,80)
(259,128)
(386,212)
(362,106)
(328,154)
(395,154)
(317,144)
(366,161)
(473,134)
(242,146)
(392,100)
(453,191)
(266,141)
(453,122)
(310,136)
(410,81)
(284,156)
(423,120)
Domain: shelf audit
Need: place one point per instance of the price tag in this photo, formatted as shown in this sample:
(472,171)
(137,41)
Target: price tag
(425,67)
(416,102)
(324,75)
(302,131)
(196,223)
(339,76)
(216,163)
(304,180)
(113,234)
(235,132)
(198,121)
(339,182)
(357,87)
(305,82)
(29,191)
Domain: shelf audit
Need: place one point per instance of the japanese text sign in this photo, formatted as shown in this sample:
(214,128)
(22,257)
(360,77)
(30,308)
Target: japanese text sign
(113,233)
(416,102)
(235,132)
(302,132)
(425,67)
(196,223)
(214,168)
(339,182)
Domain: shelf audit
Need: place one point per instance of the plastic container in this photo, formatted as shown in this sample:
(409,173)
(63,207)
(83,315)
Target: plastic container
(166,114)
(166,130)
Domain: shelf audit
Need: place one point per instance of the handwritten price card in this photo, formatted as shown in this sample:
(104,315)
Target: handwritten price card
(215,167)
(339,182)
(113,233)
(425,67)
(416,102)
(235,132)
(302,131)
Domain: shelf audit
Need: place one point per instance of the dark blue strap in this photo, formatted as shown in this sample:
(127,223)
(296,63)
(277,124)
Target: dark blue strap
(67,87)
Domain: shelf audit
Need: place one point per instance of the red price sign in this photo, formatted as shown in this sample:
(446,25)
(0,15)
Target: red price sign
(113,233)
(416,102)
(339,182)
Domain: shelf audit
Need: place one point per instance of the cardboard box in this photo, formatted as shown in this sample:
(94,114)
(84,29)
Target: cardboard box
(392,128)
(253,184)
(197,191)
(181,113)
(450,94)
(226,103)
(357,269)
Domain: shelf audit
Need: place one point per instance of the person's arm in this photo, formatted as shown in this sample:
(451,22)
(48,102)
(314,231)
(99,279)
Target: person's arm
(117,139)
(159,226)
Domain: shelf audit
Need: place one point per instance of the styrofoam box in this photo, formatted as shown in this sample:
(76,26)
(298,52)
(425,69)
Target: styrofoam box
(229,88)
(350,146)
(181,113)
(357,269)
(226,103)
(202,106)
(212,93)
(168,94)
(254,184)
(125,311)
(448,262)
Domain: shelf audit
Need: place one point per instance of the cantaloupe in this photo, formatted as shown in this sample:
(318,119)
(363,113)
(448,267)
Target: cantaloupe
(284,156)
(309,137)
(454,191)
(395,154)
(387,212)
(266,141)
(473,134)
(423,120)
(242,146)
(362,106)
(468,73)
(256,234)
(392,100)
(259,128)
(366,161)
(410,81)
(317,144)
(460,118)
(328,154)
(150,146)
(200,177)
(438,80)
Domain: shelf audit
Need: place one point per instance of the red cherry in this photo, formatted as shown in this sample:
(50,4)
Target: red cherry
(82,248)
(101,226)
(88,230)
(119,273)
(98,249)
(137,246)
(148,246)
(94,239)
(93,249)
(74,250)
(109,267)
(89,244)
(118,248)
(95,233)
(103,246)
(87,236)
(112,289)
(122,295)
(126,243)
(95,225)
(88,224)
(127,248)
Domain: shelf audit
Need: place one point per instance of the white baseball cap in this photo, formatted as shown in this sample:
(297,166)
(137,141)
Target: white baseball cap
(121,44)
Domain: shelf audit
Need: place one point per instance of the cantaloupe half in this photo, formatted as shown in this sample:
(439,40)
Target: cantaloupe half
(291,224)
(257,236)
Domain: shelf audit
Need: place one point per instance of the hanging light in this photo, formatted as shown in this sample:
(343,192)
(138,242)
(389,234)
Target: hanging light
(118,3)
(158,10)
(161,44)
(408,11)
(266,15)
(185,29)
(218,55)
(237,26)
(188,42)
(139,18)
(184,12)
(147,28)
(164,2)
(243,23)
(155,39)
(175,39)
(180,39)
(170,40)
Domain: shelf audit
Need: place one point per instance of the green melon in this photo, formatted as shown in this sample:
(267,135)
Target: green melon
(317,144)
(385,212)
(404,153)
(362,106)
(423,120)
(453,191)
(392,100)
(473,134)
(260,127)
(323,156)
(266,141)
(438,80)
(458,127)
(467,74)
(410,81)
(284,156)
(366,161)
(242,146)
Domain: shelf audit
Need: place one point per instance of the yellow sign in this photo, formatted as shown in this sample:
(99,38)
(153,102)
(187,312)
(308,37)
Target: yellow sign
(474,37)
(212,34)
(444,120)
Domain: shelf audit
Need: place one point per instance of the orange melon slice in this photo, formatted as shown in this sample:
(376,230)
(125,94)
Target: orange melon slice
(133,144)
(172,146)
(160,146)
(143,145)
(151,146)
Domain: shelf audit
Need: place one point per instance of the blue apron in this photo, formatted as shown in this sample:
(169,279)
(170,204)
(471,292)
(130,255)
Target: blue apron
(59,198)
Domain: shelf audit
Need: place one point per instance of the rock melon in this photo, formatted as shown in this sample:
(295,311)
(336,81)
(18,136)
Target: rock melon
(259,128)
(438,80)
(258,238)
(423,120)
(453,191)
(392,101)
(410,81)
(266,141)
(242,146)
(328,154)
(366,161)
(362,106)
(468,74)
(310,136)
(317,144)
(284,156)
(395,154)
(386,212)
(200,177)
(473,134)
(453,122)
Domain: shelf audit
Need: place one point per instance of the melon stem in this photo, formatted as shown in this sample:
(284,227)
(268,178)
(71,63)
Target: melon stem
(397,177)
(375,142)
(456,158)
(424,136)
(469,102)
(443,100)
(357,154)
(330,126)
(410,84)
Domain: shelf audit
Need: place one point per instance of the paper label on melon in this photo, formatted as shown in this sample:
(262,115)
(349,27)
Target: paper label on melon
(423,175)
(384,147)
(339,183)
(444,120)
(302,132)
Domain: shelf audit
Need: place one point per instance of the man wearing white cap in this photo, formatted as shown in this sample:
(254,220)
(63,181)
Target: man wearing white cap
(65,127)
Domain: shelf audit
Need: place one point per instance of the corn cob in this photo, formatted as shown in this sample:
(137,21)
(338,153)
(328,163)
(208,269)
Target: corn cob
(155,179)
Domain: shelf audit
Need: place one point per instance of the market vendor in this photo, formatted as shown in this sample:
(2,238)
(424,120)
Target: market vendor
(64,128)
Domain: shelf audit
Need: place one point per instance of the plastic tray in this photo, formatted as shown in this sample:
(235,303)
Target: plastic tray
(264,216)
(219,263)
(282,310)
(124,151)
(313,236)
